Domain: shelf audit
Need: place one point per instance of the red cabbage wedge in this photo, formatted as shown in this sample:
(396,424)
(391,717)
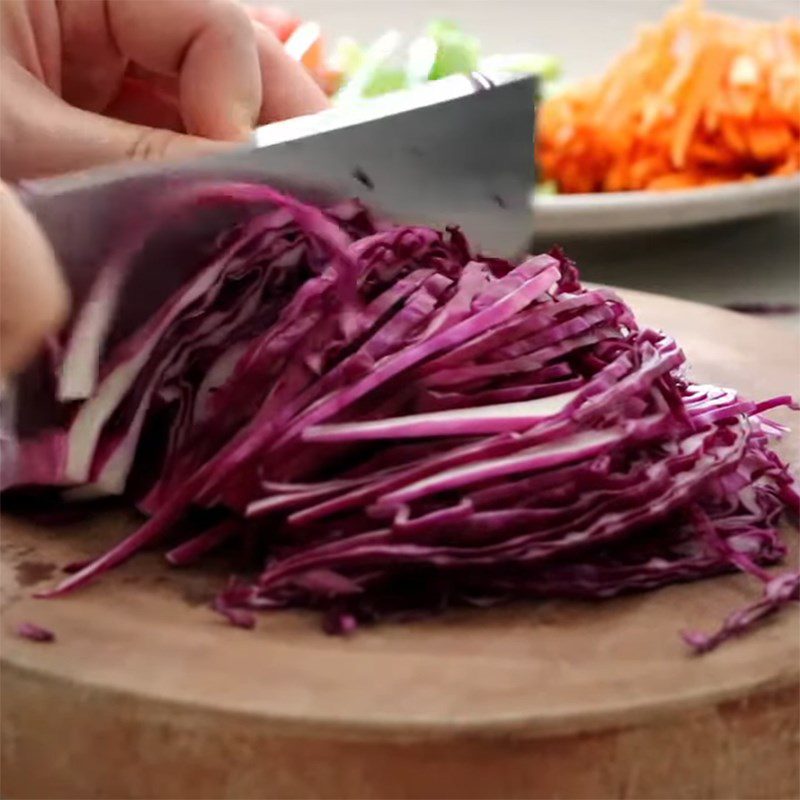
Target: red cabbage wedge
(389,423)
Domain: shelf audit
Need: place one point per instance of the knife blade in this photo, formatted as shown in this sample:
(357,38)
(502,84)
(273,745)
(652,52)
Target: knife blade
(454,151)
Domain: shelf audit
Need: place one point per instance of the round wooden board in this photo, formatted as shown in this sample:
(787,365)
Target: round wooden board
(146,693)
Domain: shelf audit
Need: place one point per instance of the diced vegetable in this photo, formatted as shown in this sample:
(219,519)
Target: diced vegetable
(390,64)
(546,66)
(456,52)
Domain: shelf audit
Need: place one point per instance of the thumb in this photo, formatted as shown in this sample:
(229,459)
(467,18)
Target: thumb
(33,296)
(52,137)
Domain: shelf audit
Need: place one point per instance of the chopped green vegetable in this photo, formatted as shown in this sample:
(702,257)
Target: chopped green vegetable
(443,50)
(372,74)
(348,55)
(546,66)
(421,57)
(456,52)
(385,80)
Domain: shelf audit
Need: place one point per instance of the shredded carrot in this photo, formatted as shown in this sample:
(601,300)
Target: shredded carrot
(699,99)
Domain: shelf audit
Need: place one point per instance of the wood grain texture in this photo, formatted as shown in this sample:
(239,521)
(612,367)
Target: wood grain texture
(146,694)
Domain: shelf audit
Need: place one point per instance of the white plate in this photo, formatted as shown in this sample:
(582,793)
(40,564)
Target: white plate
(622,212)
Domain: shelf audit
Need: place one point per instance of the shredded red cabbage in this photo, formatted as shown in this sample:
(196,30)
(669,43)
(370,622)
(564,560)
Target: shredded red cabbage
(388,424)
(36,633)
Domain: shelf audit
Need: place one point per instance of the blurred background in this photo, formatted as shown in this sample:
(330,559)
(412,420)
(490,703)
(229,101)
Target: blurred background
(752,262)
(584,34)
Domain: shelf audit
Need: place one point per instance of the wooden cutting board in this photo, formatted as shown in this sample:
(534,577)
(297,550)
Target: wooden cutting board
(147,694)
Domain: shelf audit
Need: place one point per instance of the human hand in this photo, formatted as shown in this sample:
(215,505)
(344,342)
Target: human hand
(86,82)
(33,297)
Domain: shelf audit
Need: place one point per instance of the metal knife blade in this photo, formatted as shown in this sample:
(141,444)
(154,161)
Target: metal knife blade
(455,151)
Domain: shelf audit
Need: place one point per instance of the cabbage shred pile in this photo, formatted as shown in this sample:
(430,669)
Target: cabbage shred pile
(390,424)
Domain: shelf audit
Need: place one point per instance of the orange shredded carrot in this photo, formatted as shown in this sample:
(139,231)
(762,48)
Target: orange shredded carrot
(699,99)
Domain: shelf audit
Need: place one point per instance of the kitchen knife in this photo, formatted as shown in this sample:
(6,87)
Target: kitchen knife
(455,151)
